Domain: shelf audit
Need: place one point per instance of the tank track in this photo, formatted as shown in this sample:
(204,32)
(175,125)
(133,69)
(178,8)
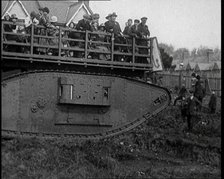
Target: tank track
(107,135)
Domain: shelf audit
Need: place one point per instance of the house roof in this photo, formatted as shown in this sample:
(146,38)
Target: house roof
(64,10)
(203,66)
(75,8)
(5,5)
(217,66)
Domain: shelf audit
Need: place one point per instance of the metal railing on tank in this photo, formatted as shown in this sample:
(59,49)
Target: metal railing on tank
(64,45)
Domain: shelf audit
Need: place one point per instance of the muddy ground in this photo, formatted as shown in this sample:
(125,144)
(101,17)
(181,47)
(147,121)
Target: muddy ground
(162,148)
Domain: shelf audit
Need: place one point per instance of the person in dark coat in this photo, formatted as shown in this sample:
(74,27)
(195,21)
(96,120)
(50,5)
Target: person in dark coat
(112,26)
(212,103)
(44,18)
(143,29)
(183,108)
(191,109)
(84,24)
(182,94)
(143,33)
(128,27)
(199,91)
(134,29)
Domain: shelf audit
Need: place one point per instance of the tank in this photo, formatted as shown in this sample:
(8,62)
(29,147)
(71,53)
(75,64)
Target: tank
(90,89)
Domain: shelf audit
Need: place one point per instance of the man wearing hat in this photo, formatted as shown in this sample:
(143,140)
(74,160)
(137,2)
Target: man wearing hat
(134,28)
(143,33)
(95,18)
(44,19)
(143,28)
(84,24)
(112,26)
(127,27)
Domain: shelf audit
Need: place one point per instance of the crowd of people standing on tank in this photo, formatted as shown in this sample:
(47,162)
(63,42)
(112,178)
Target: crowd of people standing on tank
(139,30)
(191,100)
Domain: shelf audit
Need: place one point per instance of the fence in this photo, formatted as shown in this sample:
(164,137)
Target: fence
(176,79)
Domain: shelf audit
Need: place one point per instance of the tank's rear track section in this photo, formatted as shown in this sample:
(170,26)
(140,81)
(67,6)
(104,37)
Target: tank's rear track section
(46,104)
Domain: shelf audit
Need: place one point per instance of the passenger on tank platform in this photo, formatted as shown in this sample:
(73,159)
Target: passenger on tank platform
(12,28)
(53,30)
(144,34)
(14,19)
(95,18)
(83,25)
(112,26)
(22,38)
(8,28)
(134,29)
(102,47)
(127,27)
(44,20)
(73,35)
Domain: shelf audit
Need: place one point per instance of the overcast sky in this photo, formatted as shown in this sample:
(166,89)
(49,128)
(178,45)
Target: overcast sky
(182,23)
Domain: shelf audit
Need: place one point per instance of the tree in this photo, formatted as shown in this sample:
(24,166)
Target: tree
(166,59)
(169,49)
(181,53)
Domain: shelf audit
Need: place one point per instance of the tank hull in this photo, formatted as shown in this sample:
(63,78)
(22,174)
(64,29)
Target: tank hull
(77,105)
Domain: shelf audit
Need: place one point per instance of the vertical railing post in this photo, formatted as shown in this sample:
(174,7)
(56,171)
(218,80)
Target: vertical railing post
(2,36)
(112,47)
(151,49)
(31,39)
(86,44)
(133,49)
(59,43)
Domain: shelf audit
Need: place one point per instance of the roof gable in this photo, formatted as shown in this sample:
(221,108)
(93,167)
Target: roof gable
(64,10)
(16,7)
(203,66)
(217,66)
(80,9)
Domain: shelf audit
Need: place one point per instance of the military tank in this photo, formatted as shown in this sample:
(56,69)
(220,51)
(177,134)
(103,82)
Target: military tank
(57,96)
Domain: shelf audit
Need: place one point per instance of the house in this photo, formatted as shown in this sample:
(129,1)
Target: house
(217,66)
(203,67)
(66,11)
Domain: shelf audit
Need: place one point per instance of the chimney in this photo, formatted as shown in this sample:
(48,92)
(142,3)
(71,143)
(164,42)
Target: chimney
(209,51)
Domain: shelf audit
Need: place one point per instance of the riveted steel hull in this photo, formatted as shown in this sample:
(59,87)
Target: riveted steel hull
(63,104)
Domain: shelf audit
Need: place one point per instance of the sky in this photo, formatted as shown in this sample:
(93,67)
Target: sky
(181,23)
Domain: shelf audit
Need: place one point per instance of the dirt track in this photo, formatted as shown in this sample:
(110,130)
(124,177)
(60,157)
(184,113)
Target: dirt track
(160,149)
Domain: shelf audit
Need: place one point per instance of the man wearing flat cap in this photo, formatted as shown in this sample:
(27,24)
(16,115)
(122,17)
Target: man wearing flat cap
(143,28)
(134,28)
(143,33)
(84,24)
(95,18)
(127,27)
